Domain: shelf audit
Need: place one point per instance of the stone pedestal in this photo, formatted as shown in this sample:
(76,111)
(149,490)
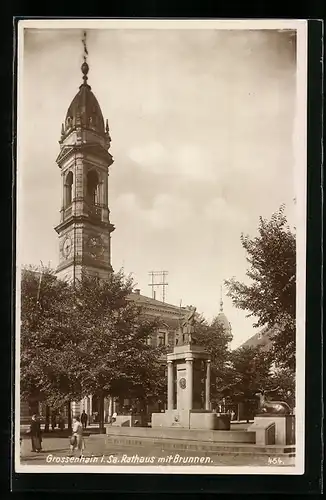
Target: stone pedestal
(284,427)
(187,409)
(128,421)
(187,419)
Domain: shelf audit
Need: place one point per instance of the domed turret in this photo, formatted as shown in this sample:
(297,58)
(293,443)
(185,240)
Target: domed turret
(84,110)
(222,319)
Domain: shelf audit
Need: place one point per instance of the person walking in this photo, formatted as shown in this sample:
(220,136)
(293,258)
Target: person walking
(53,420)
(36,435)
(76,440)
(83,419)
(61,422)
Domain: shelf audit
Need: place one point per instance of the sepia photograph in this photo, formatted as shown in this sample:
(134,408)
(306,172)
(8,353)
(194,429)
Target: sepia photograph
(161,246)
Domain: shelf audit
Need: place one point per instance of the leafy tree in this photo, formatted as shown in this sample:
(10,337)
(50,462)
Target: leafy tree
(271,295)
(215,339)
(283,380)
(249,371)
(84,339)
(112,356)
(251,367)
(46,330)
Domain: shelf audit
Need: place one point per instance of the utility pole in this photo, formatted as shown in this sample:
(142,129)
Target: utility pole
(158,280)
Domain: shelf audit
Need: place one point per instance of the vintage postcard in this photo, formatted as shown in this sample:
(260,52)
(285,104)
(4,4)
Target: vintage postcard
(161,246)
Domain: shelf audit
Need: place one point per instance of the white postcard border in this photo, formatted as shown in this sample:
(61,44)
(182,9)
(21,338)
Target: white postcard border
(300,142)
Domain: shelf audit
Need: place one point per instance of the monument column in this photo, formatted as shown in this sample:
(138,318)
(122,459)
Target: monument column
(110,406)
(85,405)
(170,385)
(208,385)
(190,382)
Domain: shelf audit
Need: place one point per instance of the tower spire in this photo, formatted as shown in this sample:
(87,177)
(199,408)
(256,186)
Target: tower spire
(221,300)
(85,67)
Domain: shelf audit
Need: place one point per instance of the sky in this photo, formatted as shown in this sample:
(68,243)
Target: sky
(202,126)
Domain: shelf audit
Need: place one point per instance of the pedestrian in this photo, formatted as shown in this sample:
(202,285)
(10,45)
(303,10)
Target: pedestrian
(35,432)
(83,419)
(61,422)
(76,440)
(53,421)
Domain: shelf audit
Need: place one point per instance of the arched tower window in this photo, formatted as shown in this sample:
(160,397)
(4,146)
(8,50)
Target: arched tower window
(68,122)
(93,188)
(68,189)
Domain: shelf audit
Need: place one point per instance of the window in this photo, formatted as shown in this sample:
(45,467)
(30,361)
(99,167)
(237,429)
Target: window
(93,188)
(68,189)
(69,122)
(161,341)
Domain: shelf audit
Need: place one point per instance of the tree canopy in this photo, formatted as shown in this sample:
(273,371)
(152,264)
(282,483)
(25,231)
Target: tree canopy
(84,339)
(46,332)
(249,372)
(216,340)
(270,295)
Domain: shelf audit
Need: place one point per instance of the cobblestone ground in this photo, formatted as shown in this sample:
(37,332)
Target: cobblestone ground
(56,452)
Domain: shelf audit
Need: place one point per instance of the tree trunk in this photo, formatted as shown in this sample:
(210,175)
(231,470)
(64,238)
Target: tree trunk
(101,413)
(47,418)
(69,416)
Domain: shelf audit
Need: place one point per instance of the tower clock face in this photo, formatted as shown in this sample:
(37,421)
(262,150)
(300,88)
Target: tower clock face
(95,246)
(67,246)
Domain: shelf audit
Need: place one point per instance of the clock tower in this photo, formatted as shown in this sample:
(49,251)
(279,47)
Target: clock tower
(84,160)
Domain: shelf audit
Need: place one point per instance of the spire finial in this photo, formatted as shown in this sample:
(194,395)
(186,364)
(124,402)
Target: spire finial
(221,300)
(85,67)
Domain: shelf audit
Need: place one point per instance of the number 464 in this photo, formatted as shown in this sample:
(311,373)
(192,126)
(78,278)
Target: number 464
(275,461)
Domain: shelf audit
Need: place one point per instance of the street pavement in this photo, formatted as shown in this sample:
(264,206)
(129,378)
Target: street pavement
(98,452)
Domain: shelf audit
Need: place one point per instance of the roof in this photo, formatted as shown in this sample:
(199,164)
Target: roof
(84,110)
(221,317)
(158,307)
(223,321)
(261,338)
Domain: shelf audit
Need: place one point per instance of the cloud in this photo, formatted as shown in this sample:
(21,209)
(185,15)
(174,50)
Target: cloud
(169,211)
(151,156)
(219,210)
(192,161)
(185,160)
(166,211)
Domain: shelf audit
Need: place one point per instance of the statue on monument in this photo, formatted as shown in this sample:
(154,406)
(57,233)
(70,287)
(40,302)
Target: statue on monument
(188,326)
